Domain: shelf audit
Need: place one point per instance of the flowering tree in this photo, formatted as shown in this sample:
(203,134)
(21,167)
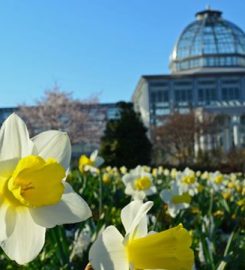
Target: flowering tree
(60,111)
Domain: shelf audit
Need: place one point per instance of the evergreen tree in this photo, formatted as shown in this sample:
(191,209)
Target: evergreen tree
(125,141)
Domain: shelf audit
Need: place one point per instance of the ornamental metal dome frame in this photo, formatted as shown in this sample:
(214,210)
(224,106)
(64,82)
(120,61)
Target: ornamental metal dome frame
(210,42)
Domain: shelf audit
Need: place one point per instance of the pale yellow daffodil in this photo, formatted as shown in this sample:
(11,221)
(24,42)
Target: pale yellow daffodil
(169,249)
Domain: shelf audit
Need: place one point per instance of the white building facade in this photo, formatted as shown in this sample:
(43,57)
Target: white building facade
(207,75)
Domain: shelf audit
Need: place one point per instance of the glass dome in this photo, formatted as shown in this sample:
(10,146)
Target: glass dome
(209,42)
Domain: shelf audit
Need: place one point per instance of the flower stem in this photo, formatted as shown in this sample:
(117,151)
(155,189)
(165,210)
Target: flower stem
(100,195)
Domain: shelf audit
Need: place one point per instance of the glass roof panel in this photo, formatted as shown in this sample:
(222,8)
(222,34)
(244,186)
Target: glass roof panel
(209,35)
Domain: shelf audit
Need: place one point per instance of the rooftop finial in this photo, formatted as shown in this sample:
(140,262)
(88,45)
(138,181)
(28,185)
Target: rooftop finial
(208,7)
(208,13)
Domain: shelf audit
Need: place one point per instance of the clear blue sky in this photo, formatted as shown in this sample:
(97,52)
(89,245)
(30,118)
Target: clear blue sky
(91,46)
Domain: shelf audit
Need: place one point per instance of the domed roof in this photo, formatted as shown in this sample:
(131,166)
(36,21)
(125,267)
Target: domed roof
(209,42)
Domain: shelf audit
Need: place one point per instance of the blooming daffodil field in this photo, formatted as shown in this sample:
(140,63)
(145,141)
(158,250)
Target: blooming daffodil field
(103,218)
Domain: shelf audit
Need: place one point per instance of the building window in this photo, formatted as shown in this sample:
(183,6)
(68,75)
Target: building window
(153,97)
(207,95)
(166,96)
(183,96)
(113,113)
(159,96)
(162,111)
(230,93)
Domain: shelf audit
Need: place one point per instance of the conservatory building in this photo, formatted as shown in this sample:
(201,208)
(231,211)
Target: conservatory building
(207,74)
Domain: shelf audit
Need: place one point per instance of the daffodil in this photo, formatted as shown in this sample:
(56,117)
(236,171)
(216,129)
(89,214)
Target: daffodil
(173,173)
(139,183)
(241,203)
(217,181)
(33,192)
(90,164)
(166,172)
(187,182)
(155,172)
(106,178)
(123,170)
(175,198)
(169,249)
(205,175)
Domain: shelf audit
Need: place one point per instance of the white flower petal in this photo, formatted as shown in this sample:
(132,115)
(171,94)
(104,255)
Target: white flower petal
(92,169)
(99,161)
(27,239)
(152,190)
(173,210)
(94,155)
(3,225)
(7,221)
(14,139)
(108,251)
(139,195)
(54,144)
(134,217)
(128,178)
(138,170)
(166,195)
(129,189)
(71,209)
(7,167)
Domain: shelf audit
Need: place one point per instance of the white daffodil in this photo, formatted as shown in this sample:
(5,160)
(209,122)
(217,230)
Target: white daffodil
(33,193)
(175,199)
(187,181)
(169,249)
(90,164)
(217,181)
(139,183)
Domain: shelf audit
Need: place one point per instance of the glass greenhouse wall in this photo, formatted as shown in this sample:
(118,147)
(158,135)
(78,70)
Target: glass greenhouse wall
(210,41)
